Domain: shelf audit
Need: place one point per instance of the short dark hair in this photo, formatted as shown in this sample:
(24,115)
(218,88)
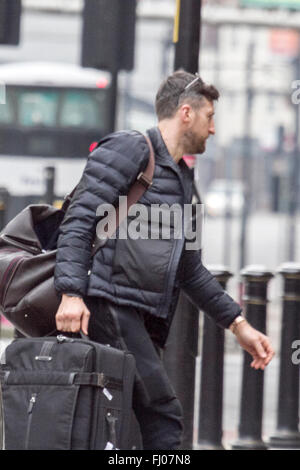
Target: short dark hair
(174,90)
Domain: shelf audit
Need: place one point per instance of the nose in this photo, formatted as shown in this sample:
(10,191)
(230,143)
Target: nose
(212,129)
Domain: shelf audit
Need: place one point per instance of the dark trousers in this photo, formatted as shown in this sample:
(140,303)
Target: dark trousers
(156,407)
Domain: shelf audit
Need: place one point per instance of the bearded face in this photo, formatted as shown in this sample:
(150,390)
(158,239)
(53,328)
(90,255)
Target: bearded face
(193,143)
(201,127)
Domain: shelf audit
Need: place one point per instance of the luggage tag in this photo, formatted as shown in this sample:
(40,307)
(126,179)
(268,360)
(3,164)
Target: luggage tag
(107,394)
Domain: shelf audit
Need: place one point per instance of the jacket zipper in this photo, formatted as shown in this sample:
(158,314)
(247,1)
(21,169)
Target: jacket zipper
(7,276)
(164,306)
(29,412)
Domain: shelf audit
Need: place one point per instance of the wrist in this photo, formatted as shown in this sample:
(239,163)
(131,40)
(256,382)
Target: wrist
(69,294)
(236,322)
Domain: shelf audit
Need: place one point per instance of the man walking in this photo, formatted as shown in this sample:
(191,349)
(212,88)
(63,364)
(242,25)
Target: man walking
(126,294)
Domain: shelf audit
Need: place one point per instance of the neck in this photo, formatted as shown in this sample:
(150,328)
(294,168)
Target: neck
(171,139)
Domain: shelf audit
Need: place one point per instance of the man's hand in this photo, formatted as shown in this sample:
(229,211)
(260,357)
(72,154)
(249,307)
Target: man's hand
(255,343)
(72,315)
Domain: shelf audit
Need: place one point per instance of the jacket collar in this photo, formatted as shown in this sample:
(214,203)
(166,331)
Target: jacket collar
(185,174)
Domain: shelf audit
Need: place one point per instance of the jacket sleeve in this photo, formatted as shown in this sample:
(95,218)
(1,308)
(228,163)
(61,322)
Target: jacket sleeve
(110,171)
(204,291)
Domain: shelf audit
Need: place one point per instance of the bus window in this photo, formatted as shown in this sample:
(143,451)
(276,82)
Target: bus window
(38,108)
(53,110)
(80,109)
(6,110)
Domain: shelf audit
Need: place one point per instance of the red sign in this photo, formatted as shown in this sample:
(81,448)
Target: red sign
(284,41)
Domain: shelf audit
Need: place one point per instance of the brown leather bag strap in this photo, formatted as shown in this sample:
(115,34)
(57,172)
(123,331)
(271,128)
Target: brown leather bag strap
(142,183)
(68,199)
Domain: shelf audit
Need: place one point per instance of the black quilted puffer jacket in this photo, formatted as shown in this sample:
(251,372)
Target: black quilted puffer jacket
(144,273)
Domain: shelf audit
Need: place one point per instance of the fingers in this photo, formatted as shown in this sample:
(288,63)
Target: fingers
(85,321)
(263,353)
(259,349)
(268,348)
(59,320)
(75,323)
(258,345)
(73,319)
(67,322)
(258,364)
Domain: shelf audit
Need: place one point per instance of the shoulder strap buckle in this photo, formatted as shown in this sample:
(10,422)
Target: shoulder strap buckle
(146,182)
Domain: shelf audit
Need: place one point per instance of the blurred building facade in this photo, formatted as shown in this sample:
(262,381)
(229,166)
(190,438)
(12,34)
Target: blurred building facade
(253,67)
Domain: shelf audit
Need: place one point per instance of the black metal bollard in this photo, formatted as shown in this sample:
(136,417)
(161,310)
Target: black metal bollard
(256,280)
(4,201)
(212,367)
(179,358)
(287,434)
(50,181)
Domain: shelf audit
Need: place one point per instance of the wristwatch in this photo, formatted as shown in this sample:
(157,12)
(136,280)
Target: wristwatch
(239,319)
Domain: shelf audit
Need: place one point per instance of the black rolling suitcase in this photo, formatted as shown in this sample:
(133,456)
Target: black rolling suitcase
(62,393)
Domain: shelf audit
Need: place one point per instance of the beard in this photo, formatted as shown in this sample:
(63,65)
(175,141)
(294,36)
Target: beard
(192,143)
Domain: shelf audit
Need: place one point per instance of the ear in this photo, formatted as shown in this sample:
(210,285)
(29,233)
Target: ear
(186,113)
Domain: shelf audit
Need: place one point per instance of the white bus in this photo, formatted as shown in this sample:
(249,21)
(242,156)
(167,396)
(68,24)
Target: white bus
(51,115)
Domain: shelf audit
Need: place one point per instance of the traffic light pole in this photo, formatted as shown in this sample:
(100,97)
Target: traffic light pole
(10,20)
(188,37)
(108,39)
(294,178)
(182,346)
(246,166)
(113,99)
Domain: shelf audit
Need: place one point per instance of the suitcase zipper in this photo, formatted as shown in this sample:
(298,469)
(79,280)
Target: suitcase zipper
(29,412)
(112,432)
